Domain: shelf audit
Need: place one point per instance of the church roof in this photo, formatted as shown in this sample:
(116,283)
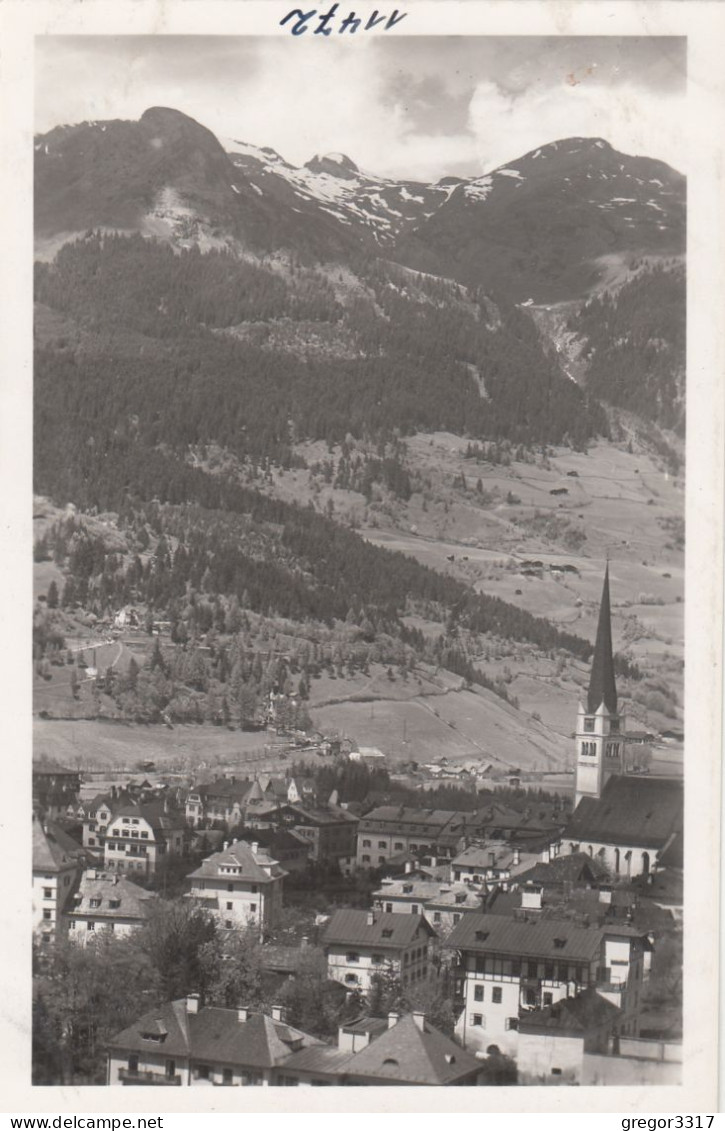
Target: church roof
(602,687)
(641,812)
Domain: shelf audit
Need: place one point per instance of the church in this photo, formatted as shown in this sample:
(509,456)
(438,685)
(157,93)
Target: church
(627,822)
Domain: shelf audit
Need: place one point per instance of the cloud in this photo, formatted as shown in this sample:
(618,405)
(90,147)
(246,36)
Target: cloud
(632,118)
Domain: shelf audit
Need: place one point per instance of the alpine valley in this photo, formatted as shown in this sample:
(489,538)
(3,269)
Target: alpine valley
(348,453)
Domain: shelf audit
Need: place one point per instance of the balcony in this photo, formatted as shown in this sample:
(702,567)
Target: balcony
(143,1076)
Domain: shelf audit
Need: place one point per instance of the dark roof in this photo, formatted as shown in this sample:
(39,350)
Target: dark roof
(412,1053)
(577,867)
(602,686)
(313,815)
(321,1059)
(639,811)
(573,1016)
(404,820)
(53,849)
(389,930)
(155,813)
(673,854)
(540,938)
(107,891)
(214,1034)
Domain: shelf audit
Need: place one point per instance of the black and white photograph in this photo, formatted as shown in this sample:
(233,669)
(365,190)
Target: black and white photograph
(360,481)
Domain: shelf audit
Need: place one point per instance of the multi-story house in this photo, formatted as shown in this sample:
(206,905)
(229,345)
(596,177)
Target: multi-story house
(185,1043)
(109,903)
(360,944)
(443,905)
(508,966)
(241,886)
(222,800)
(391,829)
(58,861)
(329,830)
(140,838)
(95,813)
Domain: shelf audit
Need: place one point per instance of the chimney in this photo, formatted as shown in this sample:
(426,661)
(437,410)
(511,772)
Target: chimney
(371,918)
(234,841)
(491,859)
(91,874)
(419,1020)
(243,1013)
(434,861)
(517,856)
(255,847)
(225,846)
(531,897)
(408,866)
(393,1019)
(277,1013)
(192,1003)
(304,942)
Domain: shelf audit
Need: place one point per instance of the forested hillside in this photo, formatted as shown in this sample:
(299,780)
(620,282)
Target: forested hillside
(635,345)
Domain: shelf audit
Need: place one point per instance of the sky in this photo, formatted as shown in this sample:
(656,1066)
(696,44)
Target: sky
(420,107)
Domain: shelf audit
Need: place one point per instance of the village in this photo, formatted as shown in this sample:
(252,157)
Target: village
(540,922)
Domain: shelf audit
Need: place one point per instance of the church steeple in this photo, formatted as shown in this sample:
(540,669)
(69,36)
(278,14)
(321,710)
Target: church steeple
(602,686)
(600,728)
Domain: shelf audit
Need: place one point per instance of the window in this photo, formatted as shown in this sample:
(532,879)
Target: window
(230,887)
(378,959)
(589,726)
(388,933)
(253,907)
(95,902)
(351,979)
(548,999)
(381,859)
(124,820)
(496,995)
(556,1072)
(367,844)
(170,1067)
(133,1062)
(436,916)
(144,836)
(203,1072)
(255,889)
(589,749)
(72,925)
(366,859)
(477,1020)
(91,841)
(530,997)
(47,913)
(549,971)
(512,1023)
(230,906)
(90,926)
(228,924)
(228,1076)
(134,832)
(456,917)
(398,846)
(389,908)
(478,993)
(352,956)
(382,844)
(47,893)
(414,909)
(110,845)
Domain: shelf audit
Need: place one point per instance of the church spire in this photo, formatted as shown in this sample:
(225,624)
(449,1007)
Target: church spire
(602,688)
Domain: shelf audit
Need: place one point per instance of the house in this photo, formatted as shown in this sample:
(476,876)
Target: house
(509,966)
(578,869)
(241,886)
(330,830)
(95,813)
(220,800)
(490,865)
(553,1041)
(58,861)
(55,788)
(140,838)
(105,902)
(397,1050)
(441,904)
(360,944)
(288,846)
(183,1042)
(388,830)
